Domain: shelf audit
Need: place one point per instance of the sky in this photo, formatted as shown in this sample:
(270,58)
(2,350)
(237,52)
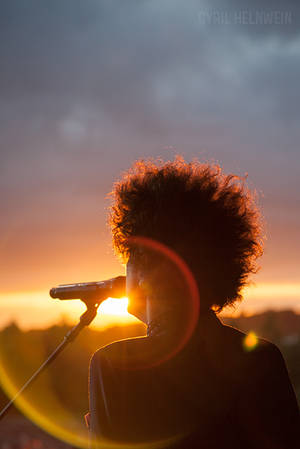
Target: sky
(89,86)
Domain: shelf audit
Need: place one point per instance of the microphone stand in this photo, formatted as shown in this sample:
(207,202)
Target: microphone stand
(85,319)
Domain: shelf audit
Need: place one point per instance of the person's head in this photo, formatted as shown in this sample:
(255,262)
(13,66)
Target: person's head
(208,218)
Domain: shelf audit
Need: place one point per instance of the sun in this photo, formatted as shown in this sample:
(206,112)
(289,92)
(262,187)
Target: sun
(114,306)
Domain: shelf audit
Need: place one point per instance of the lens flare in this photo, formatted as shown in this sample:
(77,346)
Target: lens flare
(42,403)
(192,299)
(39,403)
(250,341)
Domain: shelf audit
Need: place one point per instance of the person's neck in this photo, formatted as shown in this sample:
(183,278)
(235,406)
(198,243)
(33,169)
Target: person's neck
(168,323)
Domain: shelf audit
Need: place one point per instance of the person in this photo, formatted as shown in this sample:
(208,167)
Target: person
(190,236)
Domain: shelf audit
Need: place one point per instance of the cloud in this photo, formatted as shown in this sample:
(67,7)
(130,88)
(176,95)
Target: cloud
(143,65)
(89,86)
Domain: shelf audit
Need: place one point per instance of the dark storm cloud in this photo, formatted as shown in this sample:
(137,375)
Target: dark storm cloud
(108,60)
(121,58)
(88,86)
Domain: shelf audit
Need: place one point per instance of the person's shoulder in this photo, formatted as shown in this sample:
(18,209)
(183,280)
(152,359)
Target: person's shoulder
(252,351)
(120,350)
(248,342)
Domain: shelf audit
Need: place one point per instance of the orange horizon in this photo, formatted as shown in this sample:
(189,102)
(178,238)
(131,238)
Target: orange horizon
(36,309)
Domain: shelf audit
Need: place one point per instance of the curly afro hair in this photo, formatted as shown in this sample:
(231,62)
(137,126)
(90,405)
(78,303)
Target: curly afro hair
(210,219)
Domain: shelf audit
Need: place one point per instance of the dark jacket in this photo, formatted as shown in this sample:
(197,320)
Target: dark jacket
(213,394)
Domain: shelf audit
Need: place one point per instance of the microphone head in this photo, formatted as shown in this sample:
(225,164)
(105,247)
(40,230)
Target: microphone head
(91,291)
(53,293)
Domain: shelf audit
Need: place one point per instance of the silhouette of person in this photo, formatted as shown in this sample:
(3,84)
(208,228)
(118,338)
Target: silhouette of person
(192,382)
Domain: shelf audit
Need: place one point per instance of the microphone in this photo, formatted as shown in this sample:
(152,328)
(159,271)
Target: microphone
(91,291)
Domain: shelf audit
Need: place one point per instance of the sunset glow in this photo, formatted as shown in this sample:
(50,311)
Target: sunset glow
(114,306)
(150,170)
(37,309)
